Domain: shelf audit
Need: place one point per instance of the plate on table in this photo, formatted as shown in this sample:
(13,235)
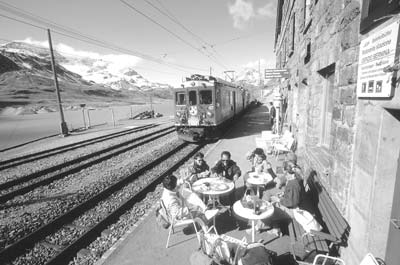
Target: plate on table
(220,187)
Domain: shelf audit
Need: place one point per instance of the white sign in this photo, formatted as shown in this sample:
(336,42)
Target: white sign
(377,52)
(276,73)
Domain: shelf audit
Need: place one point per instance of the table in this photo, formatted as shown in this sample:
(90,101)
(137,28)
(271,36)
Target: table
(259,179)
(213,187)
(249,214)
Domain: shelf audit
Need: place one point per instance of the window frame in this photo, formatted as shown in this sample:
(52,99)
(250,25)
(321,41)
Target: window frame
(184,98)
(200,96)
(370,18)
(191,91)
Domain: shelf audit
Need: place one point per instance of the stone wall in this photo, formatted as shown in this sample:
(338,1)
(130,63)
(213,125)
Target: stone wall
(358,164)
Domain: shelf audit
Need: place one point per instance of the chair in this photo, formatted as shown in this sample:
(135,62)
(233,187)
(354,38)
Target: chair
(285,145)
(177,223)
(322,259)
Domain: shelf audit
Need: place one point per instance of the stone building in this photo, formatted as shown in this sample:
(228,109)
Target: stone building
(346,124)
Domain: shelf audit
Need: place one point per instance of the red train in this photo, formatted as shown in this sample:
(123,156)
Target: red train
(204,105)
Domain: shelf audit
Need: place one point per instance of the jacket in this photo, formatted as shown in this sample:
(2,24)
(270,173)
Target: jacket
(174,204)
(228,171)
(292,194)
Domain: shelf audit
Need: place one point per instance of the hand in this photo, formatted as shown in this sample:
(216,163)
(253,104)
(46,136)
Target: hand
(235,178)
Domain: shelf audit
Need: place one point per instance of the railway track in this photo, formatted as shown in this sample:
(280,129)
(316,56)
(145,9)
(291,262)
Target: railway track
(22,185)
(63,254)
(61,149)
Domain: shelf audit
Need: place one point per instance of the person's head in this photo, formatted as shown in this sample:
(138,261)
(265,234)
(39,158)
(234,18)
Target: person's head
(170,182)
(271,103)
(289,166)
(225,157)
(199,158)
(292,157)
(259,155)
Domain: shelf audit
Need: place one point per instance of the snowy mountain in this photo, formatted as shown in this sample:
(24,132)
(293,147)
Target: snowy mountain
(94,69)
(249,76)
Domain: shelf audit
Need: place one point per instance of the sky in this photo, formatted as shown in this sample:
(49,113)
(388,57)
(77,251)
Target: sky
(163,40)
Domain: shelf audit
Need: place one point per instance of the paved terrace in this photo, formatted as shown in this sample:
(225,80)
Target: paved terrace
(145,244)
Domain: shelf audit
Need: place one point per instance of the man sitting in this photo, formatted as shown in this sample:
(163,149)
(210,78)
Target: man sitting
(199,169)
(184,205)
(227,168)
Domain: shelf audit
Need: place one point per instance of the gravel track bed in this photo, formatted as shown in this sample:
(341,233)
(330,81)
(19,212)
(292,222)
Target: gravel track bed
(35,166)
(43,177)
(26,213)
(68,234)
(72,138)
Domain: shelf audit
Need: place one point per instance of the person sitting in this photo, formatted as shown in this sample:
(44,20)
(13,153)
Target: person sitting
(184,205)
(285,202)
(227,168)
(259,163)
(199,169)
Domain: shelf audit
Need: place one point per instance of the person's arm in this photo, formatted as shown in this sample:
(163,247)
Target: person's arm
(291,196)
(236,173)
(269,170)
(216,168)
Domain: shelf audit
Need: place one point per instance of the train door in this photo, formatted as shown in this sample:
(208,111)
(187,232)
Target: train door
(234,102)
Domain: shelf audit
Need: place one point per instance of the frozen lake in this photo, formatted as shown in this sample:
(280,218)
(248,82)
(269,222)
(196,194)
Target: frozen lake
(19,129)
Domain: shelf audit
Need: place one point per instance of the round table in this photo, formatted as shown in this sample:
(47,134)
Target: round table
(213,187)
(250,215)
(259,179)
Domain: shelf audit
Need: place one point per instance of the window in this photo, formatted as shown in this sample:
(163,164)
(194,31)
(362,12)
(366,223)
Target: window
(292,35)
(308,53)
(180,98)
(374,11)
(192,98)
(328,73)
(205,97)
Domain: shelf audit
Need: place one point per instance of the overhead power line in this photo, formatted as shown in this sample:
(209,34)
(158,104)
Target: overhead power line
(71,33)
(169,31)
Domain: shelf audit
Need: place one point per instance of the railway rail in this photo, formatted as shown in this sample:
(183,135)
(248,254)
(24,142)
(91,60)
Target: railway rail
(22,185)
(20,160)
(66,253)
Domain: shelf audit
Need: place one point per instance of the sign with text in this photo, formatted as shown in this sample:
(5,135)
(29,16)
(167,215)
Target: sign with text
(377,52)
(276,73)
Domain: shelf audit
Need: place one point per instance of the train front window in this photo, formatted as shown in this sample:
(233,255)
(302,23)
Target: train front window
(192,98)
(205,97)
(180,98)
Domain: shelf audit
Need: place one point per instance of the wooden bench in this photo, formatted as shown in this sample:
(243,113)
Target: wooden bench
(335,232)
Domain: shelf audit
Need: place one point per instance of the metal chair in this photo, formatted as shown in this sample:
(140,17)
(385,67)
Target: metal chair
(177,223)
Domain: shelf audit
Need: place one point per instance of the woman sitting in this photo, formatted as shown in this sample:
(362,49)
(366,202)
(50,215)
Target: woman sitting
(259,165)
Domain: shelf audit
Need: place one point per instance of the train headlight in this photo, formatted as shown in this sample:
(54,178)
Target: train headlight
(178,114)
(210,114)
(211,107)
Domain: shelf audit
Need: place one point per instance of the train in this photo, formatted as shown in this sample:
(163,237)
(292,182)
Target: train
(205,105)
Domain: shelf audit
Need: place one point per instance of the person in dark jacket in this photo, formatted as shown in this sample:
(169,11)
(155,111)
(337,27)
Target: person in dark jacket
(227,168)
(199,169)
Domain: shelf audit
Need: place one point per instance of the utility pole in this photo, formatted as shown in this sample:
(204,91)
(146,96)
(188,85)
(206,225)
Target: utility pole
(64,128)
(210,71)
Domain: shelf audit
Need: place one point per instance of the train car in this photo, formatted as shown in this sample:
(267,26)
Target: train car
(204,105)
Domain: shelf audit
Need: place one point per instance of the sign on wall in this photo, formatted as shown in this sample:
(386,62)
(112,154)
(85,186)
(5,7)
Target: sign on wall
(276,73)
(377,52)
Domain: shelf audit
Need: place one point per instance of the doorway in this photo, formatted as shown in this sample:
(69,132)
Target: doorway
(393,243)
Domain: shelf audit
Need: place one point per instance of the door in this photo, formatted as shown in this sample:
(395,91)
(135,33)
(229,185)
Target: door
(392,251)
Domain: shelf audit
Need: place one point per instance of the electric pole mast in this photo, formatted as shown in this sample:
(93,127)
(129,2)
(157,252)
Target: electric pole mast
(64,128)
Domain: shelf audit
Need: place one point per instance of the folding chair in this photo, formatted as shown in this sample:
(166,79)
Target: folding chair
(177,223)
(284,146)
(369,259)
(323,259)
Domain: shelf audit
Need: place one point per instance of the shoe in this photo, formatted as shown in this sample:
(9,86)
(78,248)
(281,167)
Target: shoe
(210,213)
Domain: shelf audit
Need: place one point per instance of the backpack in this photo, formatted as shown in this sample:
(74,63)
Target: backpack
(161,216)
